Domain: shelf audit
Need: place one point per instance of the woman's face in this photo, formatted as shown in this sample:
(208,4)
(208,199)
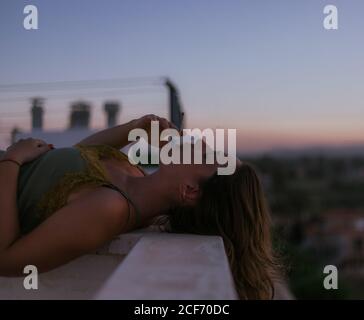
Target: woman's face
(196,160)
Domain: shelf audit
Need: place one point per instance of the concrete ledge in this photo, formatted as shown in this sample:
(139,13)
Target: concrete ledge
(171,266)
(138,265)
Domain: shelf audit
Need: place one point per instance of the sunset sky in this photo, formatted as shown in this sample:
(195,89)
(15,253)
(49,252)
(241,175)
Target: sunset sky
(267,68)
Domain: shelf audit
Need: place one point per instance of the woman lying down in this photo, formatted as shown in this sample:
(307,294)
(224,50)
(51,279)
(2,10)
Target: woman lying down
(58,204)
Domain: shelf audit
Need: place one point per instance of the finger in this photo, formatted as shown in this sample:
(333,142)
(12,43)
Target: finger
(169,124)
(164,123)
(43,149)
(40,143)
(172,125)
(154,118)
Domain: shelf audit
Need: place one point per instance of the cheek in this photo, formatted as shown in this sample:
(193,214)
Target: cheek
(183,170)
(196,170)
(208,171)
(191,170)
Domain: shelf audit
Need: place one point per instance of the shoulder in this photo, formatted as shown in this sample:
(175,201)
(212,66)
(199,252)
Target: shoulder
(110,200)
(105,205)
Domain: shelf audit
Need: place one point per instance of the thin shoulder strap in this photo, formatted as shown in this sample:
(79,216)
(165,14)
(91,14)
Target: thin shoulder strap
(126,196)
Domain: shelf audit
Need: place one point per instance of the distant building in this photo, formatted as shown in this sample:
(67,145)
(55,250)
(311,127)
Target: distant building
(80,116)
(112,109)
(338,234)
(37,113)
(78,127)
(79,120)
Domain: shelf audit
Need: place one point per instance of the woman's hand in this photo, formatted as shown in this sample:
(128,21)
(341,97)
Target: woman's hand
(145,123)
(26,150)
(118,136)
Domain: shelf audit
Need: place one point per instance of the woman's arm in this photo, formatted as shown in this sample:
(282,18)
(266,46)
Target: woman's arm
(80,227)
(19,153)
(9,224)
(117,136)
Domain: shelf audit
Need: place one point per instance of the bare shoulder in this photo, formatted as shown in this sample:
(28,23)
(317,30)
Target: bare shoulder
(99,196)
(108,199)
(103,204)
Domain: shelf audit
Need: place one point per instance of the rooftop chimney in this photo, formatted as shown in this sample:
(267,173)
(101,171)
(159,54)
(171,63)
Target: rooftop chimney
(37,113)
(80,115)
(112,109)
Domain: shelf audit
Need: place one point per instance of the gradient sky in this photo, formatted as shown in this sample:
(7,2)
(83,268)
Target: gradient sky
(267,68)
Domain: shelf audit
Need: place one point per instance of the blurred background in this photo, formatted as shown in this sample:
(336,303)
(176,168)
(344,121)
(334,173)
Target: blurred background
(293,90)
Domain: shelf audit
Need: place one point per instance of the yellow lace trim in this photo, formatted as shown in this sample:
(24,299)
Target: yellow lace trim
(95,175)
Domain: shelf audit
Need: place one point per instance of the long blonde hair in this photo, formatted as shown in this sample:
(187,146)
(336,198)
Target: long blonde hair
(234,207)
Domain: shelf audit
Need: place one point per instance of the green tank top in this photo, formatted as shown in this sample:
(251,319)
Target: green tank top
(45,183)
